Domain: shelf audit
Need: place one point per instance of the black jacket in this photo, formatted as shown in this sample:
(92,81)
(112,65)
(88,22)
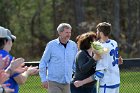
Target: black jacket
(85,67)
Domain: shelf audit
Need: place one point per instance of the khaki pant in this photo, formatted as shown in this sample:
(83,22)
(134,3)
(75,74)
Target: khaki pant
(54,87)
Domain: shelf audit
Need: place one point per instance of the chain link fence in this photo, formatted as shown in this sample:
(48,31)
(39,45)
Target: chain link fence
(130,74)
(130,82)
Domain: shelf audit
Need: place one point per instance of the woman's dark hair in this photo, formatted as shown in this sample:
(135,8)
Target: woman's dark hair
(84,41)
(77,38)
(2,42)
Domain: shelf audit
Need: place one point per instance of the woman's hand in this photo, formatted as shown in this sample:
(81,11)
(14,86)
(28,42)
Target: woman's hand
(78,83)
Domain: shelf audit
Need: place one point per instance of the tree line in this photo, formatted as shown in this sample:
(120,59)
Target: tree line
(34,22)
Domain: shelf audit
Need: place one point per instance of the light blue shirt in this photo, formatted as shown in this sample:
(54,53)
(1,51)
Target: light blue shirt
(57,62)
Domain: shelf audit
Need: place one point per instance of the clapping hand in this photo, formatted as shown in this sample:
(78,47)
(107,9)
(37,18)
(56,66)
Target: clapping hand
(32,70)
(17,65)
(4,62)
(3,76)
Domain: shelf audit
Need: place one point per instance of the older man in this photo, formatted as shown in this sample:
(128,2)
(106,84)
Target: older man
(58,59)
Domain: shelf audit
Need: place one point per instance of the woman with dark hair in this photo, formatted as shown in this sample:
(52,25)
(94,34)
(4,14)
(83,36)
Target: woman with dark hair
(85,63)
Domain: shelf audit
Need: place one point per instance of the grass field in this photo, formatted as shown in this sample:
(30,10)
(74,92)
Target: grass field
(130,83)
(33,85)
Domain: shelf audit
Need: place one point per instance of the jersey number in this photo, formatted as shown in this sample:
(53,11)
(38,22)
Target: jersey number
(115,54)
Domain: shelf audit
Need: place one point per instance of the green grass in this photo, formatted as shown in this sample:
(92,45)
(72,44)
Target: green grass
(32,85)
(130,83)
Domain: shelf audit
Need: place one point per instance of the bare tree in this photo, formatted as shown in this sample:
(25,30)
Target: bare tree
(116,24)
(79,11)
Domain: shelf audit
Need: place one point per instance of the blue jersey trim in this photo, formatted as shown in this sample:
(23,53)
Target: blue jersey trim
(99,74)
(112,86)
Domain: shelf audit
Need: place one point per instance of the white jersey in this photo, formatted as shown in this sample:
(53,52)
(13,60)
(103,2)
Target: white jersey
(108,64)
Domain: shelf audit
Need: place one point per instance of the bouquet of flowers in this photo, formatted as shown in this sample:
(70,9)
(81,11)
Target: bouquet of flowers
(98,48)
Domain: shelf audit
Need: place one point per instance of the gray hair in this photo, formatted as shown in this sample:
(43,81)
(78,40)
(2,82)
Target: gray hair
(61,27)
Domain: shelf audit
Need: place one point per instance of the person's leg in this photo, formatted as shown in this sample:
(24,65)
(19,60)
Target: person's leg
(89,89)
(116,90)
(53,87)
(94,89)
(109,90)
(75,89)
(66,88)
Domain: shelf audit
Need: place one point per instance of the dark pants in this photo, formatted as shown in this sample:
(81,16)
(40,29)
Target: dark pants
(83,89)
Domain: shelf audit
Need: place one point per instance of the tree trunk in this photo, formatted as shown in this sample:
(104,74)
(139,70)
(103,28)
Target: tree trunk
(79,11)
(138,20)
(54,18)
(4,15)
(116,24)
(129,28)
